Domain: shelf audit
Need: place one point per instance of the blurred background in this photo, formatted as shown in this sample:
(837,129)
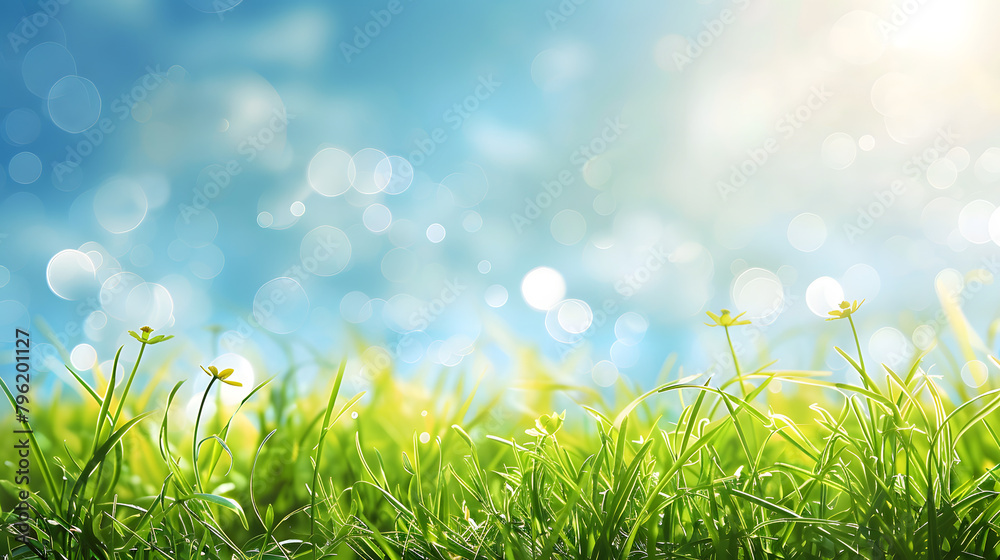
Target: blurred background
(500,188)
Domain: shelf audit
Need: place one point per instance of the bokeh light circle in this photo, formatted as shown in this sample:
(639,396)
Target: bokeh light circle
(400,265)
(265,219)
(758,292)
(367,173)
(975,373)
(355,307)
(496,296)
(604,373)
(861,281)
(839,150)
(974,221)
(74,104)
(987,167)
(575,316)
(44,65)
(807,232)
(468,188)
(472,221)
(624,355)
(149,304)
(25,168)
(823,295)
(377,218)
(71,275)
(542,288)
(197,229)
(436,233)
(281,306)
(568,227)
(120,205)
(83,357)
(397,172)
(22,126)
(213,6)
(942,173)
(960,157)
(631,327)
(207,262)
(889,346)
(328,173)
(115,291)
(325,251)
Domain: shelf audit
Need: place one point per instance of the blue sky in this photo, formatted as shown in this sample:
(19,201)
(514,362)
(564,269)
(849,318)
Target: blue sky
(585,178)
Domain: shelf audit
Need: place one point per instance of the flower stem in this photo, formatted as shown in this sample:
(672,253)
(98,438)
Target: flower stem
(194,440)
(861,357)
(736,362)
(131,377)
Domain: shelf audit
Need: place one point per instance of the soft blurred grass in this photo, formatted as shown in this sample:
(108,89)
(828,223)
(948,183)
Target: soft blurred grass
(442,467)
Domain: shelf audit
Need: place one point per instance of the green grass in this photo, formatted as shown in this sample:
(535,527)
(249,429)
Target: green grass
(902,465)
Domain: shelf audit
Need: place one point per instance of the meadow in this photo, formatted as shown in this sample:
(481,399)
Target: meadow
(899,465)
